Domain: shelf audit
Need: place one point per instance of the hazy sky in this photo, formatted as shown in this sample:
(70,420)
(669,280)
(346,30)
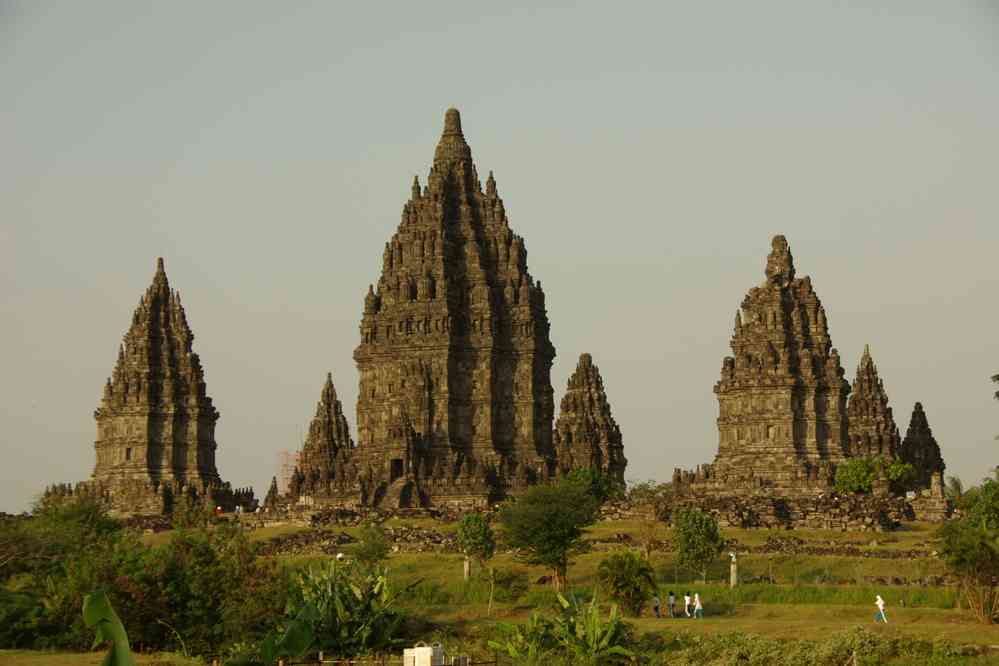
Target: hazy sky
(646,152)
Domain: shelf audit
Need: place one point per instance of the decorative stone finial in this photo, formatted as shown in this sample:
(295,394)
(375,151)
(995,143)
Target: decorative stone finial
(452,121)
(780,263)
(159,265)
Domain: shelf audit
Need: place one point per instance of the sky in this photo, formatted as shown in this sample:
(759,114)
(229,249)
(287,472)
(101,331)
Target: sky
(647,153)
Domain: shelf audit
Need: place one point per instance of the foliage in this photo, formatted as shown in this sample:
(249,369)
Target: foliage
(577,633)
(349,609)
(529,643)
(99,615)
(373,545)
(188,513)
(600,486)
(547,524)
(199,591)
(856,645)
(586,637)
(855,475)
(698,540)
(476,538)
(954,489)
(628,579)
(970,547)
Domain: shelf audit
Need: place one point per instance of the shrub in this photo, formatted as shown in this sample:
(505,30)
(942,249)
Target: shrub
(970,547)
(628,579)
(698,540)
(372,546)
(856,475)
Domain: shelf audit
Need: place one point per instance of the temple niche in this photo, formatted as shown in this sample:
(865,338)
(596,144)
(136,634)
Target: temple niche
(872,427)
(586,435)
(156,423)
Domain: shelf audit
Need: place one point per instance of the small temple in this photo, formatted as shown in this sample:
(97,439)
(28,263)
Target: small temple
(156,423)
(586,434)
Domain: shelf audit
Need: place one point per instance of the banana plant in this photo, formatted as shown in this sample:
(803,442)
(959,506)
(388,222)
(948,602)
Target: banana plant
(98,613)
(589,639)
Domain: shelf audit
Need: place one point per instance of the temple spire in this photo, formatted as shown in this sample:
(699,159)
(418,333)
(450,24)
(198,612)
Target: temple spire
(452,149)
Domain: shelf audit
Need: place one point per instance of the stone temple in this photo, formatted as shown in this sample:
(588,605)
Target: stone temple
(586,435)
(156,423)
(455,403)
(786,414)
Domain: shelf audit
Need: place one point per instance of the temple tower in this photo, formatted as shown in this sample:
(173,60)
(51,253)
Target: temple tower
(156,423)
(455,356)
(872,427)
(920,449)
(325,459)
(586,435)
(781,396)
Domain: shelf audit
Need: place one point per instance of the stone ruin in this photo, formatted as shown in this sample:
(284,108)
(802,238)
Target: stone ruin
(156,423)
(586,435)
(785,421)
(455,403)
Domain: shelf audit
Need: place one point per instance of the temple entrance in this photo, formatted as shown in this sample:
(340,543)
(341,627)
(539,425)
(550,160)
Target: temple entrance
(396,469)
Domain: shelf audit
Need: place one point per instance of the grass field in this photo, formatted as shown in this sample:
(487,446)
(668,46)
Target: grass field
(815,595)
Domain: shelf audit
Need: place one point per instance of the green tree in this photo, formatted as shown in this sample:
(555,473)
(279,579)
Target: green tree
(698,540)
(954,489)
(970,547)
(372,545)
(477,541)
(547,525)
(628,579)
(595,482)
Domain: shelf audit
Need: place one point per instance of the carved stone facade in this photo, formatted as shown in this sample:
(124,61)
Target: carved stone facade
(156,423)
(586,435)
(784,420)
(781,397)
(872,428)
(920,449)
(325,465)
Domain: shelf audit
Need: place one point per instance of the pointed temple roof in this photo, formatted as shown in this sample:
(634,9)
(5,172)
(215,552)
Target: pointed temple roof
(920,448)
(586,434)
(872,427)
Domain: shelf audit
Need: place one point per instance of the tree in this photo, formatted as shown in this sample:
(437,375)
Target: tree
(547,524)
(372,545)
(955,489)
(595,482)
(628,579)
(477,541)
(698,540)
(970,547)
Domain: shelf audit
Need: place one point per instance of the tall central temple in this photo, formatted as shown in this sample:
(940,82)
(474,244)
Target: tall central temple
(455,356)
(455,404)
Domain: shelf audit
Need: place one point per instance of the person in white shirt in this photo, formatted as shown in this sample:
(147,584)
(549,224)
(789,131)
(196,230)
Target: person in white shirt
(698,608)
(880,603)
(686,604)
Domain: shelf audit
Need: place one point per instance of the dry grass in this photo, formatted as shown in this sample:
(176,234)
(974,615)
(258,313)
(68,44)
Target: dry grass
(39,658)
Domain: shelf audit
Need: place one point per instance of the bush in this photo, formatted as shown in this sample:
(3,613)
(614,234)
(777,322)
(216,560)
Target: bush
(628,579)
(372,546)
(970,547)
(856,475)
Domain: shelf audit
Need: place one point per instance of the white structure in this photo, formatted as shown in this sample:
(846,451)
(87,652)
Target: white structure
(423,655)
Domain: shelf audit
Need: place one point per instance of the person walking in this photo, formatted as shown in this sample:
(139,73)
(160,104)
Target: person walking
(698,608)
(655,604)
(671,600)
(686,604)
(880,603)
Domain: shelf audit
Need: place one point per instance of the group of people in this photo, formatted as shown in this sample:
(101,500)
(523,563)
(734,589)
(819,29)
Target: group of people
(692,606)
